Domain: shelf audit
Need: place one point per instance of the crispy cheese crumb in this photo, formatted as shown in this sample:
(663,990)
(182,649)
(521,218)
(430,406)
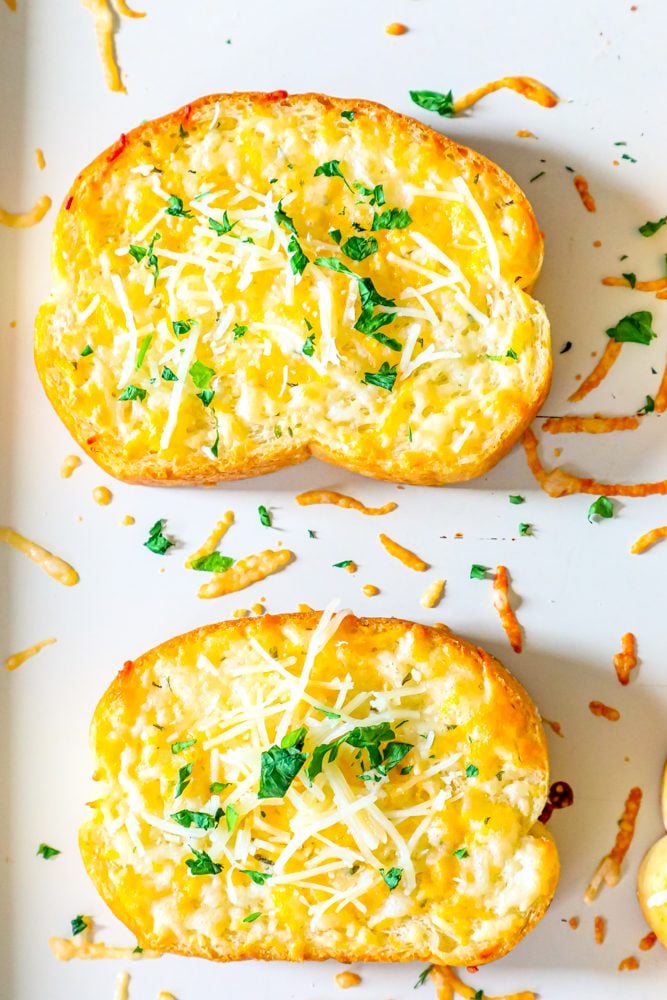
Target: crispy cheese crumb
(39,156)
(404,555)
(56,567)
(574,922)
(433,594)
(345,980)
(501,603)
(395,28)
(554,726)
(527,86)
(628,964)
(524,133)
(608,871)
(610,354)
(102,495)
(122,990)
(589,425)
(245,572)
(23,220)
(648,539)
(587,199)
(127,520)
(341,500)
(370,590)
(599,929)
(17,659)
(604,711)
(69,464)
(648,941)
(626,660)
(219,530)
(447,983)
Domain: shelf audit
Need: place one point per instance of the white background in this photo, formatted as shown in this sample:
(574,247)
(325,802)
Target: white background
(577,588)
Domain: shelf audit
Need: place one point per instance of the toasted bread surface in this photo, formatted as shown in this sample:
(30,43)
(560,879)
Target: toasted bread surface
(417,839)
(191,336)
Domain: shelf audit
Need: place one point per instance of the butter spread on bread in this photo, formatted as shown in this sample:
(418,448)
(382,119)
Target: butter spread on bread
(256,278)
(312,785)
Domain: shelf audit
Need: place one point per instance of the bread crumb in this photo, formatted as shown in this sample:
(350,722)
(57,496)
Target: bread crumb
(433,594)
(344,980)
(628,963)
(558,452)
(600,927)
(395,28)
(370,590)
(605,711)
(102,496)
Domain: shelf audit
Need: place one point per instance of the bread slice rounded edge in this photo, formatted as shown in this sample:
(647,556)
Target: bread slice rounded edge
(153,469)
(102,877)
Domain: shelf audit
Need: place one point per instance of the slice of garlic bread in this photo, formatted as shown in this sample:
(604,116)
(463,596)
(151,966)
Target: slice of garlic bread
(309,786)
(257,278)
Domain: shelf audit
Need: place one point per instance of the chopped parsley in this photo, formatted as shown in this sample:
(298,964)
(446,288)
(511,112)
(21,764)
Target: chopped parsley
(651,228)
(391,218)
(250,919)
(182,326)
(331,169)
(206,396)
(297,258)
(47,852)
(281,764)
(309,346)
(221,227)
(200,820)
(239,331)
(157,541)
(168,375)
(311,533)
(366,738)
(392,876)
(602,507)
(525,529)
(183,779)
(359,247)
(325,711)
(423,976)
(501,357)
(631,278)
(515,498)
(348,115)
(648,407)
(133,392)
(472,771)
(202,864)
(78,925)
(231,817)
(334,265)
(537,176)
(383,379)
(86,352)
(214,562)
(567,346)
(147,253)
(182,745)
(201,374)
(175,208)
(216,441)
(432,100)
(283,219)
(633,329)
(218,786)
(259,878)
(478,572)
(375,196)
(342,565)
(462,852)
(264,516)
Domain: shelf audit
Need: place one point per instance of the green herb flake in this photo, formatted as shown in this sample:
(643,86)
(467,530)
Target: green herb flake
(479,995)
(391,876)
(432,100)
(462,852)
(200,820)
(342,565)
(182,326)
(183,779)
(218,786)
(157,541)
(651,228)
(336,235)
(239,331)
(348,115)
(147,254)
(279,767)
(47,852)
(472,771)
(259,878)
(602,507)
(141,353)
(168,375)
(231,817)
(359,247)
(478,572)
(78,925)
(201,374)
(334,265)
(250,919)
(202,864)
(331,169)
(648,407)
(391,218)
(633,329)
(132,392)
(264,516)
(525,529)
(216,442)
(325,711)
(537,176)
(515,498)
(283,219)
(203,194)
(383,379)
(86,352)
(182,745)
(137,950)
(297,258)
(311,533)
(223,227)
(366,738)
(631,278)
(309,346)
(423,976)
(175,208)
(206,396)
(214,562)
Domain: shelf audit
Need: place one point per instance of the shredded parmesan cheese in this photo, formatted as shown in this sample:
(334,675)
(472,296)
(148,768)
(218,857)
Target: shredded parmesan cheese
(502,605)
(22,220)
(604,711)
(245,572)
(69,464)
(527,86)
(53,565)
(341,500)
(588,425)
(122,990)
(404,555)
(610,354)
(647,540)
(213,540)
(448,984)
(17,659)
(626,660)
(587,199)
(609,869)
(433,594)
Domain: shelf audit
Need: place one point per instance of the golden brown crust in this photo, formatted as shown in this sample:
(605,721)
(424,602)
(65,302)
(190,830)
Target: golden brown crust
(195,468)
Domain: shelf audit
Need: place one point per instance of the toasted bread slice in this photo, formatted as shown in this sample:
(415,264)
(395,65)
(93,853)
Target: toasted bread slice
(257,278)
(309,786)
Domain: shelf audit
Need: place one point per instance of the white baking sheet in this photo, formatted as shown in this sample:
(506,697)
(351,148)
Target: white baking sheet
(578,588)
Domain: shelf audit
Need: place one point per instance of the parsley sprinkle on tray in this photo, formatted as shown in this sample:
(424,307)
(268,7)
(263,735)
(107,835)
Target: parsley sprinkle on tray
(515,498)
(602,507)
(432,100)
(342,565)
(264,516)
(651,228)
(214,562)
(157,541)
(423,976)
(47,852)
(636,328)
(478,572)
(78,925)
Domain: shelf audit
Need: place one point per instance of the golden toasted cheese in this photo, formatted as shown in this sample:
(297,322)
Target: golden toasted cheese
(221,830)
(256,278)
(652,877)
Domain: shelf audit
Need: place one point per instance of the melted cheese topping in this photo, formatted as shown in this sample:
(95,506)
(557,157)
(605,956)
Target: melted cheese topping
(69,464)
(17,659)
(473,777)
(341,500)
(647,540)
(403,555)
(245,572)
(527,86)
(221,269)
(53,565)
(433,594)
(22,220)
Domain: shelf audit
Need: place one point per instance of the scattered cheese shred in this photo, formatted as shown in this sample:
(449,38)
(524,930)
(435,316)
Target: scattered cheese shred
(587,199)
(53,565)
(609,869)
(433,594)
(626,660)
(661,395)
(122,990)
(559,483)
(628,964)
(211,543)
(592,381)
(600,927)
(647,540)
(501,603)
(655,285)
(341,500)
(69,464)
(648,941)
(124,10)
(22,220)
(65,949)
(448,984)
(589,425)
(524,133)
(39,156)
(245,572)
(404,555)
(527,86)
(163,995)
(16,659)
(101,11)
(345,980)
(604,711)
